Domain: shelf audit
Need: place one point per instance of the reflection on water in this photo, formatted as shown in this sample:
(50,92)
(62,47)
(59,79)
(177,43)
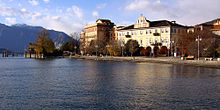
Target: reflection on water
(81,84)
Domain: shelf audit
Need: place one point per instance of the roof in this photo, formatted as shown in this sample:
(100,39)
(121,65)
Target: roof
(156,24)
(104,20)
(164,23)
(209,23)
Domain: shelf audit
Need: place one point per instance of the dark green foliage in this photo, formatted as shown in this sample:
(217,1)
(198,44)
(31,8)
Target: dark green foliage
(71,45)
(44,45)
(131,47)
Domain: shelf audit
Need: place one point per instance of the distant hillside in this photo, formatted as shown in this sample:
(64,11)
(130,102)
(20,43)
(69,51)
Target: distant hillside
(17,37)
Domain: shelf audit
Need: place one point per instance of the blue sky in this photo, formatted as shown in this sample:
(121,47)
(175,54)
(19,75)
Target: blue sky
(72,15)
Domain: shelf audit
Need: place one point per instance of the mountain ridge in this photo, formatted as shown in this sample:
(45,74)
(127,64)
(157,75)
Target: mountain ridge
(17,37)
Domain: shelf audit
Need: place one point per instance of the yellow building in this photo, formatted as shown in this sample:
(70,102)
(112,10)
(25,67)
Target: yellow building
(147,33)
(102,29)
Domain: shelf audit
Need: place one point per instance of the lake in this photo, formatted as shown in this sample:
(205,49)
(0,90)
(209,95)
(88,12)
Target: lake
(85,84)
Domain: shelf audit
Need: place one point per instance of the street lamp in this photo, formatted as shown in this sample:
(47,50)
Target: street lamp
(171,48)
(107,46)
(84,50)
(122,50)
(75,49)
(198,39)
(96,46)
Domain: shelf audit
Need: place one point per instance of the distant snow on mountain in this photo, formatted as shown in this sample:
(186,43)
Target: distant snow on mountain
(17,37)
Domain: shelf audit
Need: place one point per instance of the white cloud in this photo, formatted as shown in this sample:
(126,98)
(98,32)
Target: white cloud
(7,11)
(23,10)
(198,11)
(67,22)
(36,15)
(77,11)
(11,20)
(46,1)
(95,14)
(33,2)
(187,12)
(146,5)
(101,6)
(59,23)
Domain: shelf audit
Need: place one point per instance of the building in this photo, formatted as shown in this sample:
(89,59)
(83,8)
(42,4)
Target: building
(82,46)
(213,26)
(147,33)
(102,29)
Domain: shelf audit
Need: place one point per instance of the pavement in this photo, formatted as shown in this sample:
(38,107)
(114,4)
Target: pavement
(166,60)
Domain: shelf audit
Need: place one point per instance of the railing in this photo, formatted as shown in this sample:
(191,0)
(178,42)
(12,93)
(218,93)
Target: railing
(156,34)
(128,36)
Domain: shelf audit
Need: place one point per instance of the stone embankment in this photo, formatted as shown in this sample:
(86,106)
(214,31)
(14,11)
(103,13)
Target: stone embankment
(166,60)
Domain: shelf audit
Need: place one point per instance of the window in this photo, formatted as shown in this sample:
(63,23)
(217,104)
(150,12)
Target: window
(166,40)
(166,30)
(150,41)
(150,32)
(146,32)
(178,30)
(156,40)
(147,40)
(174,30)
(132,33)
(155,30)
(162,30)
(127,33)
(162,40)
(141,32)
(141,41)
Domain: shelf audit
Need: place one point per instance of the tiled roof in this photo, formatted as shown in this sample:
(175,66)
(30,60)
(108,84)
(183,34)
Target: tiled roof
(210,23)
(156,24)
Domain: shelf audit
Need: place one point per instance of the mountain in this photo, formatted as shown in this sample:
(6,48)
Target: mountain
(17,37)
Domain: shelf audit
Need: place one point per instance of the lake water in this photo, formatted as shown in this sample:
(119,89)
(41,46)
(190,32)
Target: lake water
(82,84)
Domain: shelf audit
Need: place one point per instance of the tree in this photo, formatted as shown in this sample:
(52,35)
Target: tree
(76,37)
(218,49)
(163,50)
(71,45)
(189,45)
(114,48)
(131,47)
(98,45)
(44,45)
(156,48)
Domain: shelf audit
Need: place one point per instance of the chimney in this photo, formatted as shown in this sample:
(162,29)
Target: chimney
(174,22)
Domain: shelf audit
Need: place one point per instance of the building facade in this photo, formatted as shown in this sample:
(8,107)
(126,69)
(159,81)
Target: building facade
(102,29)
(213,26)
(147,33)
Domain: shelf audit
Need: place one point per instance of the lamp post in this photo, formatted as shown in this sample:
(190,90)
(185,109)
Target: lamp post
(107,46)
(96,46)
(84,50)
(171,47)
(198,39)
(122,50)
(75,49)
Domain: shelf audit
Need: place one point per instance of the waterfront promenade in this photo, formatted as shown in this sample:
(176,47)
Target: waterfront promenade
(168,60)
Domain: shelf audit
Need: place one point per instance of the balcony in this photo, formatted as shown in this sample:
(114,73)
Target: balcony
(156,34)
(128,36)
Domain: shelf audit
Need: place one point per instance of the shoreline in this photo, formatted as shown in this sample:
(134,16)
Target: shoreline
(164,60)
